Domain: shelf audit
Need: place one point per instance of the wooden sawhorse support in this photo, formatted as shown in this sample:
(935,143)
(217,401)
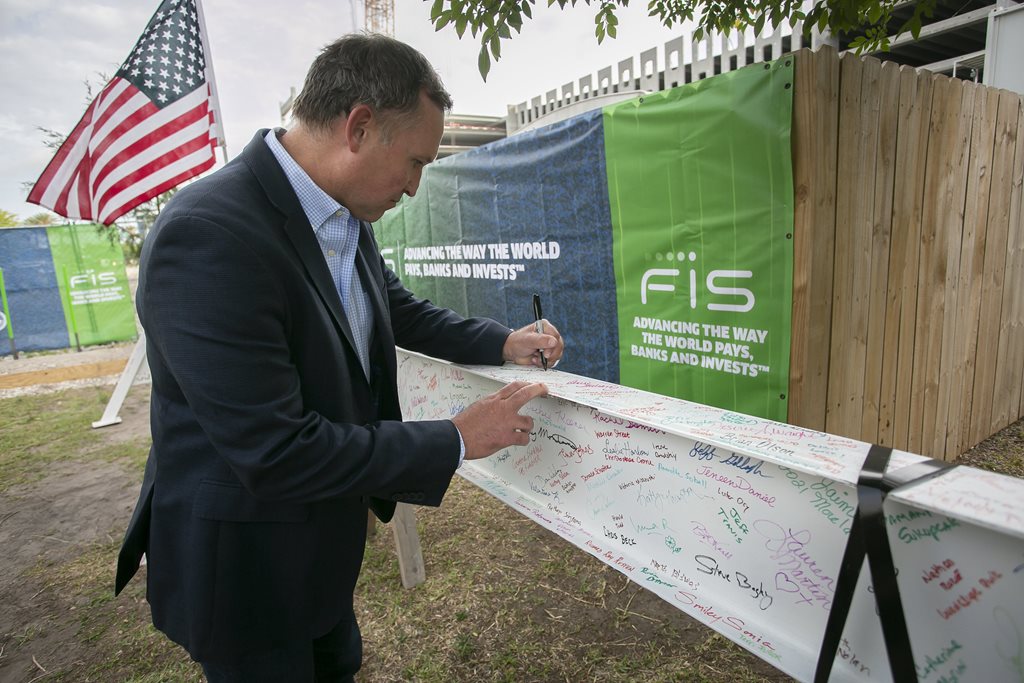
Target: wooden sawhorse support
(407,543)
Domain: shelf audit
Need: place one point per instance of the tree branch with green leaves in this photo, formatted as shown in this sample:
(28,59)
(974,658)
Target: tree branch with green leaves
(866,22)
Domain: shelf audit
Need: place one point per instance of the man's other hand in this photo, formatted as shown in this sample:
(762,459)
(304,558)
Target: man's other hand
(524,345)
(494,422)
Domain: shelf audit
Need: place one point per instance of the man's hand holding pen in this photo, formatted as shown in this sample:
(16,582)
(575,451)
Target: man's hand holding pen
(525,345)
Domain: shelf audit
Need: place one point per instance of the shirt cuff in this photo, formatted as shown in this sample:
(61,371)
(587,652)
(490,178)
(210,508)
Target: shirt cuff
(462,446)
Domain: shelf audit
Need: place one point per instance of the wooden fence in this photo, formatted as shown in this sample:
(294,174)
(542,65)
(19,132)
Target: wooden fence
(908,292)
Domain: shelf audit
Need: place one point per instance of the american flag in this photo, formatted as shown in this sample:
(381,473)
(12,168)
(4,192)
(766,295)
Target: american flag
(151,127)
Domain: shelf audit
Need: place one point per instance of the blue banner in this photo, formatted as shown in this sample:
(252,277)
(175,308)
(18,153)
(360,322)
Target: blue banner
(490,227)
(33,297)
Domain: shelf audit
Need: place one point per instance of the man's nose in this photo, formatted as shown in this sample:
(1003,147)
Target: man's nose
(413,184)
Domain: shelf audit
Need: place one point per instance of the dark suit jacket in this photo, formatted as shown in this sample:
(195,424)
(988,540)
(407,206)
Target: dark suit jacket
(268,440)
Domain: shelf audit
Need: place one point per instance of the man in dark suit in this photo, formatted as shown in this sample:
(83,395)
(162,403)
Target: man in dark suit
(271,323)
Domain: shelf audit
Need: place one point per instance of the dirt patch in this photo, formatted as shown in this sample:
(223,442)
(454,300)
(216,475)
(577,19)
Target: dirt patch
(78,506)
(51,519)
(45,524)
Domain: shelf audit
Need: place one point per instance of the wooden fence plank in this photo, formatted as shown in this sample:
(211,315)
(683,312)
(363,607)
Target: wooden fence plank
(995,265)
(1010,357)
(850,70)
(931,277)
(901,306)
(888,93)
(861,226)
(1017,223)
(951,226)
(972,259)
(815,122)
(932,267)
(843,385)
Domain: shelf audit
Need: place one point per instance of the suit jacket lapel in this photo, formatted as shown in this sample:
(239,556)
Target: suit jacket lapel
(274,182)
(301,235)
(368,267)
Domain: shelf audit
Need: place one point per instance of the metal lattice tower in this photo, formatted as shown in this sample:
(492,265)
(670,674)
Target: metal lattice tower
(380,16)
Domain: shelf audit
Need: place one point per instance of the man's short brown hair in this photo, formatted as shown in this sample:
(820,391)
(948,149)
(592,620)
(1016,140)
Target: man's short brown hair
(371,69)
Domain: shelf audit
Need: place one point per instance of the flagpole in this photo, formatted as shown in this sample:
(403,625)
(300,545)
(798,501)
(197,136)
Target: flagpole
(212,82)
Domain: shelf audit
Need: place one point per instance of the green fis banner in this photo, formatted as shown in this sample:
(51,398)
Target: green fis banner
(701,198)
(93,285)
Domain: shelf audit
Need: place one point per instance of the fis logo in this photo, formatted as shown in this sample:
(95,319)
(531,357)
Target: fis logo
(93,279)
(663,280)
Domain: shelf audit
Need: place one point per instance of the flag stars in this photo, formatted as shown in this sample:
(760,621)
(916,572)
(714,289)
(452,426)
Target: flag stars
(170,52)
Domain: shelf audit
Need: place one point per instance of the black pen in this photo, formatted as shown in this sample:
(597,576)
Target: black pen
(537,315)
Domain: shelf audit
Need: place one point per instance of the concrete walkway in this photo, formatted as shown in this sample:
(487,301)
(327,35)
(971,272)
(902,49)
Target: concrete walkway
(55,370)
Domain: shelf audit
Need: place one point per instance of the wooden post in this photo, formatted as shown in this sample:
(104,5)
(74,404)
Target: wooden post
(407,541)
(371,524)
(407,544)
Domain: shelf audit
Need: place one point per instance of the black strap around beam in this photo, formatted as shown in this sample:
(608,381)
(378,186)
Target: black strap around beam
(869,537)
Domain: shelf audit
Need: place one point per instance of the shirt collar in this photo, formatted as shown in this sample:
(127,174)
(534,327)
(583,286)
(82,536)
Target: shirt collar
(316,204)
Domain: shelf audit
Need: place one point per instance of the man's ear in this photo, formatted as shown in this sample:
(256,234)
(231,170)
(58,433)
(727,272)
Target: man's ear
(358,125)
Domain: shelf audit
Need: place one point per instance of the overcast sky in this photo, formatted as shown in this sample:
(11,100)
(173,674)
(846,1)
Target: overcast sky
(262,48)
